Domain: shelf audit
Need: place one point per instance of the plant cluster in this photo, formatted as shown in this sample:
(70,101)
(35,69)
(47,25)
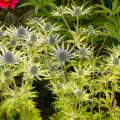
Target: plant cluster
(84,81)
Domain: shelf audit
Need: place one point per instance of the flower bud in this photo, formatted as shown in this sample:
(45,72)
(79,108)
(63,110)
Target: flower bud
(7,73)
(83,52)
(52,39)
(91,30)
(62,55)
(60,10)
(47,26)
(116,61)
(33,38)
(76,11)
(21,31)
(34,70)
(9,58)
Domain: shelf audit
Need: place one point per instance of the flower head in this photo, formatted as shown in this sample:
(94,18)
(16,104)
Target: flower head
(59,11)
(7,73)
(9,58)
(116,61)
(63,55)
(52,40)
(76,11)
(34,70)
(80,10)
(13,41)
(8,3)
(91,30)
(47,26)
(33,38)
(83,52)
(21,31)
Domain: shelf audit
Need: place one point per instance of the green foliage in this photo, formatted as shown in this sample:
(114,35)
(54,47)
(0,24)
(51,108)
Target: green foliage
(115,8)
(112,27)
(39,4)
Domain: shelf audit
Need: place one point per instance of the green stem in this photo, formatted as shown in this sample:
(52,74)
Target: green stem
(111,103)
(99,104)
(14,84)
(66,22)
(93,77)
(101,46)
(25,113)
(77,23)
(64,71)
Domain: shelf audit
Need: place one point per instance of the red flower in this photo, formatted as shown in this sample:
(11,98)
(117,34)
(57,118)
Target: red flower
(8,3)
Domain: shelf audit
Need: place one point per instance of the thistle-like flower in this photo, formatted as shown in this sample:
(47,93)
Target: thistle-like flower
(9,58)
(116,61)
(91,30)
(78,92)
(76,11)
(113,60)
(7,73)
(34,70)
(21,31)
(81,71)
(37,19)
(47,26)
(79,10)
(13,41)
(33,37)
(52,40)
(62,54)
(83,52)
(59,11)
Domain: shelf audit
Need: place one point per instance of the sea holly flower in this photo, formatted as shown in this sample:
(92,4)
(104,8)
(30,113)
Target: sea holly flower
(52,40)
(80,10)
(34,70)
(33,38)
(83,52)
(21,31)
(113,60)
(76,11)
(9,58)
(7,73)
(116,61)
(62,54)
(91,30)
(60,11)
(47,26)
(13,42)
(8,3)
